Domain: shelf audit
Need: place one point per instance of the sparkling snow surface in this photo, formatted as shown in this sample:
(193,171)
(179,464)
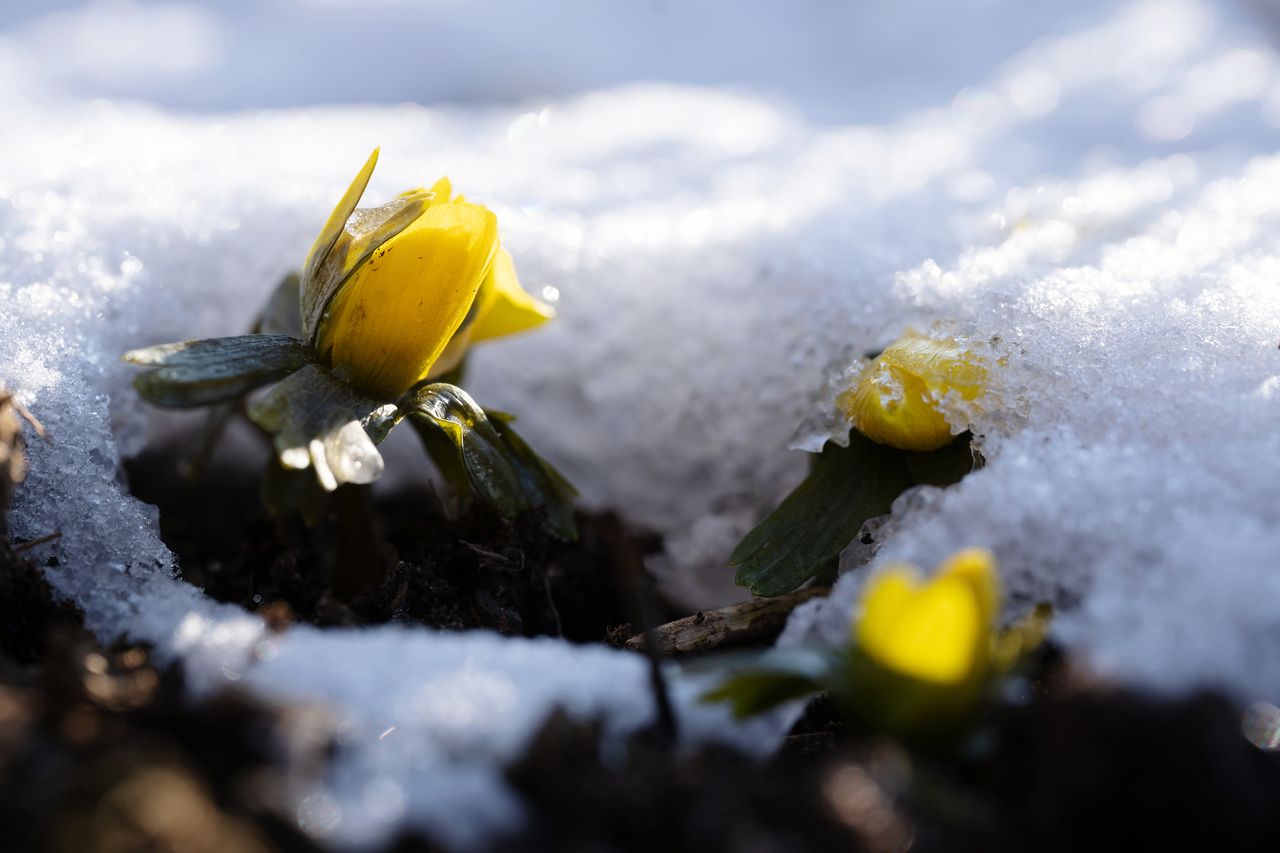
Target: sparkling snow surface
(1098,191)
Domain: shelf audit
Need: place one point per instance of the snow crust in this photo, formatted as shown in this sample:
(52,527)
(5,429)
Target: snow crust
(1093,189)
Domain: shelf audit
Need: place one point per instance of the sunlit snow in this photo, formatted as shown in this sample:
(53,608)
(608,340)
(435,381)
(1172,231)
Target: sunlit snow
(1093,188)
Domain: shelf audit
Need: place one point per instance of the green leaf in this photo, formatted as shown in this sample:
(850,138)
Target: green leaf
(318,421)
(945,466)
(454,416)
(282,315)
(775,677)
(197,373)
(542,484)
(485,459)
(809,529)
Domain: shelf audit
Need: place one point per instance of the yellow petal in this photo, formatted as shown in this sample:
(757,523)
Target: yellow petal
(937,636)
(890,406)
(333,226)
(977,567)
(896,399)
(939,632)
(886,595)
(502,307)
(508,308)
(370,227)
(443,191)
(366,229)
(394,317)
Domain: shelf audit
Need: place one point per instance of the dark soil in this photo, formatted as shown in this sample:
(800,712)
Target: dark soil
(414,562)
(1077,768)
(651,797)
(1119,770)
(101,751)
(29,612)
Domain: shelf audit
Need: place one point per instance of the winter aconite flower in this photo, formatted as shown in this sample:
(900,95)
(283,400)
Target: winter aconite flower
(388,302)
(923,648)
(409,282)
(897,400)
(922,654)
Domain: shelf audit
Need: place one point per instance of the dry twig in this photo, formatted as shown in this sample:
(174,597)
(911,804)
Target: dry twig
(708,630)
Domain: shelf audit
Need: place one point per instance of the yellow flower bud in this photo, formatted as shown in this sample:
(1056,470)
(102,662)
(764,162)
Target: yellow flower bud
(896,399)
(924,649)
(502,308)
(398,286)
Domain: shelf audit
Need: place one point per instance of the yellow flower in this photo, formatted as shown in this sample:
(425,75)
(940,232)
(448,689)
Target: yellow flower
(390,294)
(895,400)
(924,650)
(502,307)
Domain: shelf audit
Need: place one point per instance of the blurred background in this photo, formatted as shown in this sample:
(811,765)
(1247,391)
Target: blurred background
(283,53)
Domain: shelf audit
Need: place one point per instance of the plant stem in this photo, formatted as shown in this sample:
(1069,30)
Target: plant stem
(361,560)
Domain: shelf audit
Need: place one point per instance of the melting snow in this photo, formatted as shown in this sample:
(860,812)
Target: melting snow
(1100,196)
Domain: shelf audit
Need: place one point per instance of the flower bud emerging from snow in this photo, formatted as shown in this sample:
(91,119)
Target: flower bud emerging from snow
(925,649)
(897,398)
(395,294)
(922,655)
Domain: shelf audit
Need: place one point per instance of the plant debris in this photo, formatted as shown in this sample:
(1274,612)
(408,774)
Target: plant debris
(755,621)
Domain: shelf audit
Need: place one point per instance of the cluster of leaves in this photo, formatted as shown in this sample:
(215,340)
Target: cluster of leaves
(325,431)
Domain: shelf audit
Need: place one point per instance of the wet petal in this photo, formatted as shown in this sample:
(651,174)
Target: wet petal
(507,307)
(333,227)
(396,314)
(896,400)
(365,231)
(502,307)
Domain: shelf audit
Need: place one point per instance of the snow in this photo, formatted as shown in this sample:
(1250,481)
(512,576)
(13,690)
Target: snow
(1095,187)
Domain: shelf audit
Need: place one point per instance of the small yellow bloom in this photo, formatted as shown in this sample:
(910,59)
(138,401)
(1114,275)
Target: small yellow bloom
(407,287)
(502,306)
(924,649)
(896,399)
(938,631)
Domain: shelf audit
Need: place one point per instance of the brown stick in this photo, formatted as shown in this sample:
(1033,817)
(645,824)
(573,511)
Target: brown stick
(710,629)
(31,543)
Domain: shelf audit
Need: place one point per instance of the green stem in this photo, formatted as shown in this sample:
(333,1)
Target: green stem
(361,559)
